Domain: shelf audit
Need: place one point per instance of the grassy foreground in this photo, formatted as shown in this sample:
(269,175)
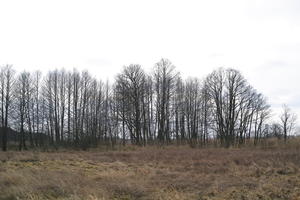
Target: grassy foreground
(152,173)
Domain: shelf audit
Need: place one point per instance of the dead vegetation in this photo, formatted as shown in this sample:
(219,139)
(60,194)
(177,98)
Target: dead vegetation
(152,173)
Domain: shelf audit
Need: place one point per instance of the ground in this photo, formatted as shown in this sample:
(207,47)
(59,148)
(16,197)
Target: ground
(152,173)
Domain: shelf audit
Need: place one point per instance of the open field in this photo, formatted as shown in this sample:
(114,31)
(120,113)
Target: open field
(152,173)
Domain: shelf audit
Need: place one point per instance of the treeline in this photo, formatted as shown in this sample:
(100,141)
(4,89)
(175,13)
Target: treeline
(71,108)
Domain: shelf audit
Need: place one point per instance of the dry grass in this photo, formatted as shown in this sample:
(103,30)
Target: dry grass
(152,173)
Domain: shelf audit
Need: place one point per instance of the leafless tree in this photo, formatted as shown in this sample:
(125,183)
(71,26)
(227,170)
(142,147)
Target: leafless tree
(21,94)
(130,87)
(288,121)
(7,81)
(165,80)
(237,107)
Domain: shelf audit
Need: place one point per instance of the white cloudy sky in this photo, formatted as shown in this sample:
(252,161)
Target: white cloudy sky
(261,38)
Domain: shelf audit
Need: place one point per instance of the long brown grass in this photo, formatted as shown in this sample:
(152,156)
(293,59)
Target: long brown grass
(153,173)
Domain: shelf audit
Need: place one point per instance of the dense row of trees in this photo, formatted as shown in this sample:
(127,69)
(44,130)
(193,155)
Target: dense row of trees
(75,109)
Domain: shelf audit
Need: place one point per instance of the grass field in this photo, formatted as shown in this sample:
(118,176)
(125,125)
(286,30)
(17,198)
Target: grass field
(152,173)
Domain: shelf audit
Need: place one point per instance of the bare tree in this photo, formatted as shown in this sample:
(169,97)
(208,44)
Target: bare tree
(165,79)
(192,110)
(130,89)
(237,107)
(179,111)
(7,77)
(21,94)
(288,121)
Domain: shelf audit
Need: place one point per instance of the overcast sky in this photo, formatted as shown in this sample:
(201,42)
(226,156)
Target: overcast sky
(261,38)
